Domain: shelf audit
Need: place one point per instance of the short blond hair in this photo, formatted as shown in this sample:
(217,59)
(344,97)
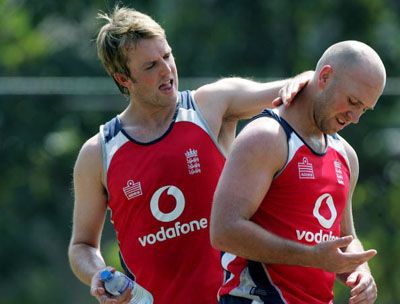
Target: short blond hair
(124,28)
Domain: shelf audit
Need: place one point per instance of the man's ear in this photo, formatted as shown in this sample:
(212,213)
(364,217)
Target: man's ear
(324,76)
(122,79)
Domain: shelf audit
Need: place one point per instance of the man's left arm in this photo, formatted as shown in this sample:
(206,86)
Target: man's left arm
(224,102)
(239,98)
(360,281)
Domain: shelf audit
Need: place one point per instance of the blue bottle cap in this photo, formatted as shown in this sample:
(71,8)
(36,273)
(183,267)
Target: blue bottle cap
(106,275)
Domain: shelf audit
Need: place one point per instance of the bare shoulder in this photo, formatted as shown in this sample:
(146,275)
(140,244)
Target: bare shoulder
(90,156)
(218,94)
(213,90)
(264,141)
(213,100)
(264,131)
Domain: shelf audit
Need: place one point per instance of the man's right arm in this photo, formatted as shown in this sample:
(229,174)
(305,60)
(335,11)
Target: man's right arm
(88,221)
(258,152)
(89,212)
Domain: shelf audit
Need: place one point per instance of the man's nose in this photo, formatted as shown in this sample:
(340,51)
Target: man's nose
(165,68)
(354,116)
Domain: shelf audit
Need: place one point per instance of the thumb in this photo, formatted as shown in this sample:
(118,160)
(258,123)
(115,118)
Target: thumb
(277,101)
(343,241)
(97,291)
(352,279)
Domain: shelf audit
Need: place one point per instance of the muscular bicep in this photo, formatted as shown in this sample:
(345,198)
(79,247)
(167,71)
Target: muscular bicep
(89,195)
(225,102)
(239,98)
(243,183)
(255,157)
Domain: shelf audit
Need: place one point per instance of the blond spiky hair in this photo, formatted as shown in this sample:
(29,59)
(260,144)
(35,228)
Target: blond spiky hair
(123,29)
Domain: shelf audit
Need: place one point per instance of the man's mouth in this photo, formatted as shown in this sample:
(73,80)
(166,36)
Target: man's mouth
(341,121)
(166,85)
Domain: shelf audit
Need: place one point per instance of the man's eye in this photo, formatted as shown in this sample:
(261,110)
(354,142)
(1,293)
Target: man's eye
(150,66)
(352,102)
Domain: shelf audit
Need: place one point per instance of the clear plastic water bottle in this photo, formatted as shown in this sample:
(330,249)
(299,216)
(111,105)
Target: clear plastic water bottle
(116,283)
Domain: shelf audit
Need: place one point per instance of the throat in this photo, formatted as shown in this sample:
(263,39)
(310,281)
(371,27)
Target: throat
(145,134)
(146,127)
(317,144)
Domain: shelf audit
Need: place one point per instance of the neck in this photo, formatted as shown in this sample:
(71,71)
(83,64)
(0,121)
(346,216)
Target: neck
(146,123)
(300,115)
(148,113)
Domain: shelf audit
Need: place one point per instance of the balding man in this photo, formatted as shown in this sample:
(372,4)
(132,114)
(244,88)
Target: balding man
(282,211)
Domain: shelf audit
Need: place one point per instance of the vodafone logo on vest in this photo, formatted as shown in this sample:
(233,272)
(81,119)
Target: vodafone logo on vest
(174,214)
(324,202)
(170,230)
(328,200)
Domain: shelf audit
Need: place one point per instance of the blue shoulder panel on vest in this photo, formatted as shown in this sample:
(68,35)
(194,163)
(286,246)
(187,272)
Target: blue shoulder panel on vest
(111,129)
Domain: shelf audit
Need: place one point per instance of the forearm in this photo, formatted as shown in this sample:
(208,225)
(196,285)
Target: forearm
(248,98)
(356,246)
(258,96)
(247,239)
(85,261)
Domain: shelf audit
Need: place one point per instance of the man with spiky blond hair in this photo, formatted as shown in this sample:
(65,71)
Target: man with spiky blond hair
(156,165)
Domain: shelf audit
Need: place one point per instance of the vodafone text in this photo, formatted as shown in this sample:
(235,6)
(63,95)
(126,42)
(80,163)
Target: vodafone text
(317,237)
(172,232)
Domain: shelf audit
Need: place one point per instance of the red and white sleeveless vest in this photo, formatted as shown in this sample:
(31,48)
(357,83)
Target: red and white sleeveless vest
(160,197)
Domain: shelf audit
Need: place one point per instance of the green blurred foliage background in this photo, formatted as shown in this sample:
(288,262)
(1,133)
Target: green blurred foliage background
(43,124)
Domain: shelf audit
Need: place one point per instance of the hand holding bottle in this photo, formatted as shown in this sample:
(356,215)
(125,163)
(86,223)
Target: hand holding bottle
(116,283)
(99,292)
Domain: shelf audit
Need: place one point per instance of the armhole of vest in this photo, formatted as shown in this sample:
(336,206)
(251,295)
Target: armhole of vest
(343,148)
(103,156)
(189,102)
(286,127)
(288,132)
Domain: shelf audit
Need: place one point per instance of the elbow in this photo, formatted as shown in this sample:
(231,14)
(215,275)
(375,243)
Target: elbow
(71,250)
(73,255)
(225,224)
(215,239)
(219,236)
(73,247)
